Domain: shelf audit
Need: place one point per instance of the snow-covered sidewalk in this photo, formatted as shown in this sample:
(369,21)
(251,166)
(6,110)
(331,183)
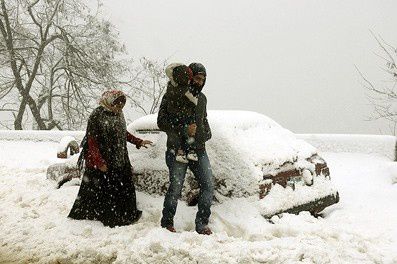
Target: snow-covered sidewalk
(362,228)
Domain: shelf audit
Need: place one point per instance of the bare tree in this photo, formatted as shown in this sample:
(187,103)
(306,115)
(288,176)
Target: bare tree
(55,58)
(384,99)
(147,84)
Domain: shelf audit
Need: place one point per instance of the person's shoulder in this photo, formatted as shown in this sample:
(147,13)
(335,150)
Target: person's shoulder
(202,97)
(97,111)
(183,89)
(171,90)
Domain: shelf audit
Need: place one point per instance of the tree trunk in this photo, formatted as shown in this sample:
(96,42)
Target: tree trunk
(19,117)
(36,113)
(24,91)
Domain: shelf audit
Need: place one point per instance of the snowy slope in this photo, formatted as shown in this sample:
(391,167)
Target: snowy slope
(34,227)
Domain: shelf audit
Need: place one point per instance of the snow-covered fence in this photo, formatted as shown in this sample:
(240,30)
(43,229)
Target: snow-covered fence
(39,135)
(368,144)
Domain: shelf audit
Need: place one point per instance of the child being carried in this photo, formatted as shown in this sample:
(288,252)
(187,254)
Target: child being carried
(182,109)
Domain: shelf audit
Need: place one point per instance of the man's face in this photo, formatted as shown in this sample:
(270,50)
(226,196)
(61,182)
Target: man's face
(198,80)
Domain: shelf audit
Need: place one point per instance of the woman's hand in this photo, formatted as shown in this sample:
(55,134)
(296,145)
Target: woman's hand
(145,143)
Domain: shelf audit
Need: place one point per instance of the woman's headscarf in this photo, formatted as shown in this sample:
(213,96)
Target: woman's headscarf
(110,98)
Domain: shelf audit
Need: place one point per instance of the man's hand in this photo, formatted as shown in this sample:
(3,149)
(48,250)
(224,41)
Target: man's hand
(103,168)
(145,143)
(191,130)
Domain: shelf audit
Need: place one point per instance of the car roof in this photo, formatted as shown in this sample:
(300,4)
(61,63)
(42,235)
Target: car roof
(219,118)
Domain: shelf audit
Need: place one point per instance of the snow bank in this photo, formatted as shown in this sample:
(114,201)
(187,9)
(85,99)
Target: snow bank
(28,154)
(393,172)
(368,144)
(35,227)
(39,135)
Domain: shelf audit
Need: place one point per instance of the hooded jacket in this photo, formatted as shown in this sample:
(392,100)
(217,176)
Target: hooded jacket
(172,108)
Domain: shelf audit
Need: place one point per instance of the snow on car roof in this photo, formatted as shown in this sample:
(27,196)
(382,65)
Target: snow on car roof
(244,146)
(230,118)
(260,137)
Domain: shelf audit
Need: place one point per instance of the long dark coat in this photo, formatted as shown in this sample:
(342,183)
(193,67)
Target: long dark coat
(107,196)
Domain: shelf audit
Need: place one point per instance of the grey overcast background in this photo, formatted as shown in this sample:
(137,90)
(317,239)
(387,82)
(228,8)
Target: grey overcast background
(291,60)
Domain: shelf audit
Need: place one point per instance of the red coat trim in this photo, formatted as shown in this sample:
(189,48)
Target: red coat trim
(94,158)
(134,140)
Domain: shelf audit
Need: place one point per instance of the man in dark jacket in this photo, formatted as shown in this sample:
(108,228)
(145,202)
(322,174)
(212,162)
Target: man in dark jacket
(201,168)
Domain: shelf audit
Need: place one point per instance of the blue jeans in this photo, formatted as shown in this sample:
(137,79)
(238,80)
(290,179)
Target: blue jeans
(203,174)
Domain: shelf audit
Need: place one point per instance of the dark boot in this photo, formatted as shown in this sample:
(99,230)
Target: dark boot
(170,228)
(204,231)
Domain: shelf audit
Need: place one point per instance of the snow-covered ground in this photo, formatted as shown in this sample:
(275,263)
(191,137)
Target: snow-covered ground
(362,228)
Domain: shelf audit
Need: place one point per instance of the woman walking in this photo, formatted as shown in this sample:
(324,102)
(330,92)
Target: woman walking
(107,192)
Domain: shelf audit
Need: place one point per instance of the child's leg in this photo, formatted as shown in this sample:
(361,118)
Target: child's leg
(176,143)
(191,142)
(191,150)
(181,150)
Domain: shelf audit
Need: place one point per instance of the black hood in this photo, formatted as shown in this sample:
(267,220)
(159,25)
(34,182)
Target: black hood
(198,68)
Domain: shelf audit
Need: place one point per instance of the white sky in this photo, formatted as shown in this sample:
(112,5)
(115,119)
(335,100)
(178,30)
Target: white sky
(291,60)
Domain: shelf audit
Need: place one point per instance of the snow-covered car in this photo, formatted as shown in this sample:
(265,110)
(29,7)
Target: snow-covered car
(251,156)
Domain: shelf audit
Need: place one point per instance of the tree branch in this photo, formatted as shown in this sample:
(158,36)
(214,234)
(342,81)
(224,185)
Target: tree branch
(34,19)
